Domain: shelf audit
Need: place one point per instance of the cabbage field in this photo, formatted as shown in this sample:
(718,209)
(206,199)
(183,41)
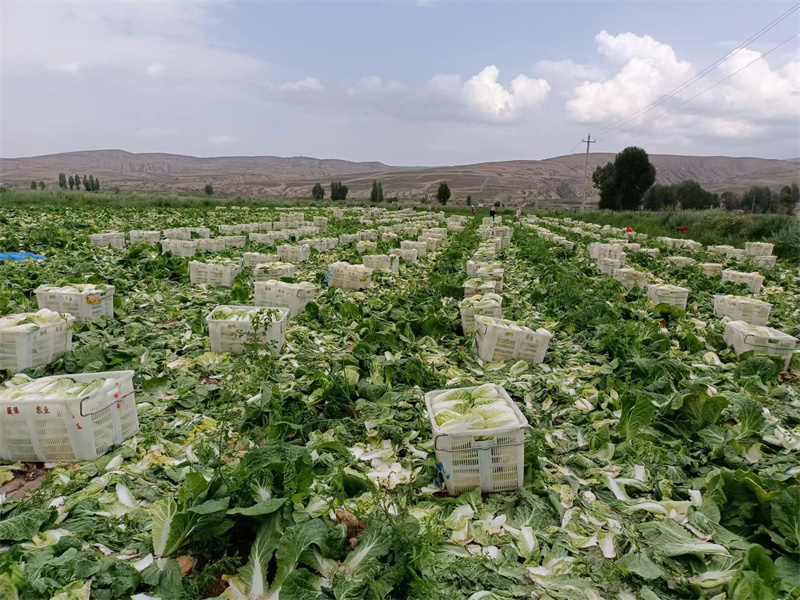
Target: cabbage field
(661,461)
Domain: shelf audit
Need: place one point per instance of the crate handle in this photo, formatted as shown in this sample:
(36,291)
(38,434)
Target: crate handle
(113,401)
(441,435)
(750,335)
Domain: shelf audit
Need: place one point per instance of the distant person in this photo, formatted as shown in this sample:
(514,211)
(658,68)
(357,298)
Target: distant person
(493,211)
(398,206)
(473,210)
(429,208)
(517,214)
(629,229)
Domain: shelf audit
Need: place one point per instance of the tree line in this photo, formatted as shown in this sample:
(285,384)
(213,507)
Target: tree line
(339,192)
(628,183)
(90,183)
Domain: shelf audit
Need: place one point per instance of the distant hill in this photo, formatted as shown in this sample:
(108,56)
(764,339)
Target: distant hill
(555,180)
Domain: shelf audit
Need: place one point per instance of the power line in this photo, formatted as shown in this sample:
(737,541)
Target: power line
(646,109)
(573,148)
(783,43)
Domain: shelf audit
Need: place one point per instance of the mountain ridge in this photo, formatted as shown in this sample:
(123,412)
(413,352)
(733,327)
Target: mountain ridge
(556,180)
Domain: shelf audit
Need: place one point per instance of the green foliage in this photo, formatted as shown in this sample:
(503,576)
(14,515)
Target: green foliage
(376,195)
(62,181)
(623,183)
(338,191)
(209,189)
(469,200)
(443,193)
(318,192)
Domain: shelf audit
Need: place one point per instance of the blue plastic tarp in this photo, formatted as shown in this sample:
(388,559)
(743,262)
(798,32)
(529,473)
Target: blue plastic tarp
(20,256)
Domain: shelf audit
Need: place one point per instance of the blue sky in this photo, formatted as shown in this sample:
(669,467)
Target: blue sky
(403,82)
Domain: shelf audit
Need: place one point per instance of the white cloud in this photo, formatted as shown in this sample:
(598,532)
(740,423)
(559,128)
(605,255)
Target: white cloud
(748,104)
(482,98)
(222,140)
(309,84)
(157,69)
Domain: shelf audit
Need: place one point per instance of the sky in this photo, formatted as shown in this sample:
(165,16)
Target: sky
(404,82)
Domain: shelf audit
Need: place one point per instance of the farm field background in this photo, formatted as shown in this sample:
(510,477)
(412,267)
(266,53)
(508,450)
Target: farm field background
(659,465)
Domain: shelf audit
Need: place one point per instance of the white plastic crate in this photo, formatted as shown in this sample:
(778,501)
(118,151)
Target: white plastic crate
(388,236)
(650,251)
(199,232)
(673,295)
(473,287)
(294,253)
(318,244)
(139,236)
(233,241)
(681,261)
(607,266)
(629,278)
(65,429)
(632,246)
(350,277)
(758,249)
(489,459)
(420,247)
(744,337)
(752,280)
(230,229)
(293,296)
(337,214)
(491,273)
(180,248)
(366,246)
(487,222)
(719,249)
(332,242)
(321,223)
(735,254)
(407,254)
(389,262)
(178,233)
(268,330)
(691,245)
(499,340)
(490,305)
(711,269)
(670,242)
(220,274)
(274,270)
(742,308)
(765,262)
(107,240)
(251,259)
(598,250)
(349,238)
(369,235)
(211,245)
(82,301)
(27,345)
(474,265)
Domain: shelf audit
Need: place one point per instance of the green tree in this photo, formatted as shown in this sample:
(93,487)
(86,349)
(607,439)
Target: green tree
(209,189)
(41,185)
(469,200)
(78,182)
(659,197)
(318,192)
(91,183)
(623,183)
(760,199)
(86,184)
(33,185)
(730,200)
(443,193)
(788,199)
(71,182)
(338,191)
(691,196)
(96,184)
(376,195)
(62,181)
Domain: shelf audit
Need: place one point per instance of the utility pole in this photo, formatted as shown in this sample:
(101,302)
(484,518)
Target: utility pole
(588,141)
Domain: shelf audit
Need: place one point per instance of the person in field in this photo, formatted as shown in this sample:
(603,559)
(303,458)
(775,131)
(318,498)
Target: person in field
(493,211)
